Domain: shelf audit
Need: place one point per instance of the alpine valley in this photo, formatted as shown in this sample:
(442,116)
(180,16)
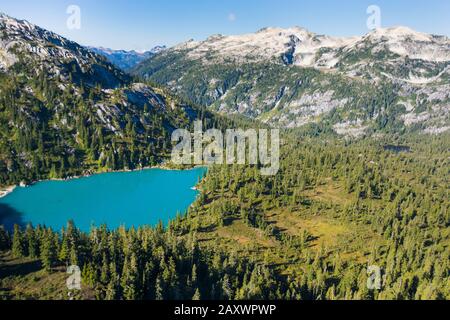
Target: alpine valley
(364,171)
(126,60)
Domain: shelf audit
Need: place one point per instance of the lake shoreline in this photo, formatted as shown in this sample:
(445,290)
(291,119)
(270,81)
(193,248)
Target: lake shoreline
(4,191)
(139,198)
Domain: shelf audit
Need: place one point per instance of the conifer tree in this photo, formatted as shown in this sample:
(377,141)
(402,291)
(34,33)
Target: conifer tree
(196,295)
(5,242)
(32,242)
(18,245)
(48,250)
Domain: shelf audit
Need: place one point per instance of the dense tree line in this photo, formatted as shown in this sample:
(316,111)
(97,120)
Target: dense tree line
(401,197)
(147,263)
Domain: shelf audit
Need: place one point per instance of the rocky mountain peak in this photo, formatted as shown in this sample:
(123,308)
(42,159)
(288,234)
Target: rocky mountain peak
(23,41)
(291,77)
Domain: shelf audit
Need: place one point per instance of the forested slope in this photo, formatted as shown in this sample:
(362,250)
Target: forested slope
(309,232)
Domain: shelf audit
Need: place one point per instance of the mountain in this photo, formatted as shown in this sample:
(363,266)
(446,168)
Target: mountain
(126,60)
(23,42)
(65,110)
(392,79)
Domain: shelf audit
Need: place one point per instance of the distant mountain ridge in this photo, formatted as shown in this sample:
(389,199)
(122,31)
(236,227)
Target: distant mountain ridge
(301,47)
(126,60)
(292,77)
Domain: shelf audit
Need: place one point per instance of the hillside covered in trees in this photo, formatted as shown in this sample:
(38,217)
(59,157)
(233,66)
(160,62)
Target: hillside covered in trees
(65,111)
(308,233)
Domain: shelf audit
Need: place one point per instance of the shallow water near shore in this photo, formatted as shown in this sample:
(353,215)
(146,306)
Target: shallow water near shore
(121,198)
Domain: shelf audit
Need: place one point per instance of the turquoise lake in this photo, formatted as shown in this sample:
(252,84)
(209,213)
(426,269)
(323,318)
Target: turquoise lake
(121,198)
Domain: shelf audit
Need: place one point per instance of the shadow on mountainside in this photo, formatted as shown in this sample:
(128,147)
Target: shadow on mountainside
(11,267)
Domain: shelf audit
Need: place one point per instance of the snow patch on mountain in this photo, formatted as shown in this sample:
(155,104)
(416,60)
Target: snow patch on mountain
(301,47)
(416,45)
(293,46)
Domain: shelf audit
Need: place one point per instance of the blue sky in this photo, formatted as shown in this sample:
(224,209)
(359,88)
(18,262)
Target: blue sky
(142,24)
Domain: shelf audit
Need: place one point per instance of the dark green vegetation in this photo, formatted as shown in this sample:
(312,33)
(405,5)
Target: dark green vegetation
(134,264)
(336,207)
(309,232)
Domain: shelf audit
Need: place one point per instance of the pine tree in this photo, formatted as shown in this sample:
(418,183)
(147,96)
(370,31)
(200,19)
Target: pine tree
(89,275)
(32,242)
(104,275)
(18,245)
(63,254)
(194,276)
(159,288)
(112,290)
(48,250)
(130,279)
(74,260)
(5,242)
(226,288)
(196,295)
